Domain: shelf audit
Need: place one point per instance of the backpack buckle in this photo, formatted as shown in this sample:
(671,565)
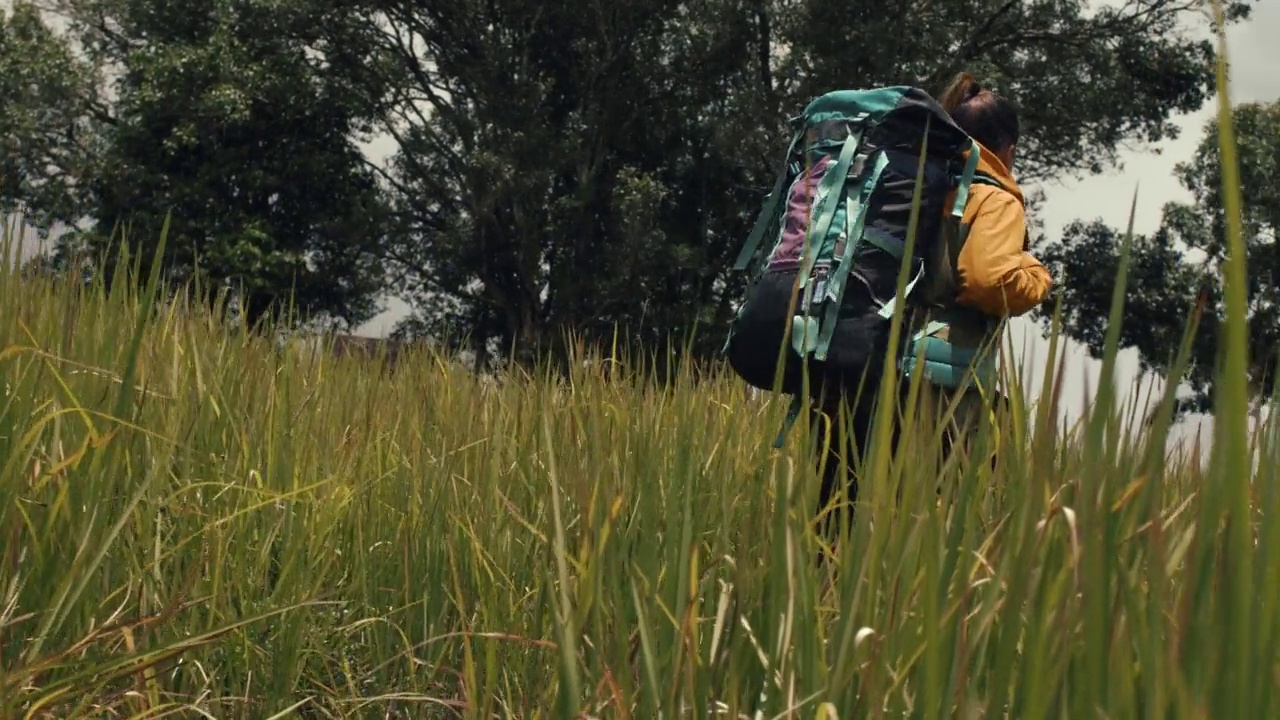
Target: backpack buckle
(804,334)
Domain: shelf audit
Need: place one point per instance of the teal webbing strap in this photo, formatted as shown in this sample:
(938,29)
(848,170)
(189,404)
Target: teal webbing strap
(804,332)
(943,363)
(907,360)
(855,221)
(941,351)
(804,329)
(770,209)
(952,377)
(827,204)
(886,311)
(884,241)
(962,192)
(928,330)
(948,376)
(793,412)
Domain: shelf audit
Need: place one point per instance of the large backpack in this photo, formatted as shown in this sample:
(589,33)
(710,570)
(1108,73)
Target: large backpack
(843,201)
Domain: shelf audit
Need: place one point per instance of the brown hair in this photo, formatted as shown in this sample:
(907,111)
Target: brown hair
(987,117)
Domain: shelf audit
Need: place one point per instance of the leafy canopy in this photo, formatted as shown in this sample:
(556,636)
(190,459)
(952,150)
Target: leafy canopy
(572,165)
(240,122)
(611,181)
(1179,267)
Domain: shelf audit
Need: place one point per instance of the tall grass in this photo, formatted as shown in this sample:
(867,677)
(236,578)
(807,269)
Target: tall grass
(197,520)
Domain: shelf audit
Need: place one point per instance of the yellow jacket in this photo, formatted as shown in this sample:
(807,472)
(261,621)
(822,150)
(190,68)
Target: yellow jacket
(996,274)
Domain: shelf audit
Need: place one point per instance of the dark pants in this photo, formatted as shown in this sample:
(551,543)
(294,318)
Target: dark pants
(835,513)
(851,373)
(856,424)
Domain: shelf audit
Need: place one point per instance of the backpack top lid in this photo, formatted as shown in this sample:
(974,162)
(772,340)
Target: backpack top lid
(874,104)
(847,104)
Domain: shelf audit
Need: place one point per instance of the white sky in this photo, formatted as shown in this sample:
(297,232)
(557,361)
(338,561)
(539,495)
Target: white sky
(1255,58)
(1254,55)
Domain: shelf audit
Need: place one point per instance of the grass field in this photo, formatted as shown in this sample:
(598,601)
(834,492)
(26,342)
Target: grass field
(194,521)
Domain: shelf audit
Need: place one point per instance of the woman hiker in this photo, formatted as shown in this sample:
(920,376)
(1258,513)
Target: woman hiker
(996,277)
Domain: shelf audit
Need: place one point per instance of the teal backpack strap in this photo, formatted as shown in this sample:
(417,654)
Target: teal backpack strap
(966,179)
(886,310)
(804,328)
(944,363)
(963,184)
(828,201)
(855,222)
(929,330)
(770,209)
(793,412)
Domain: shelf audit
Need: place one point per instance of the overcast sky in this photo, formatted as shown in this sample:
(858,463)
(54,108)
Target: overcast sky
(1254,54)
(1255,58)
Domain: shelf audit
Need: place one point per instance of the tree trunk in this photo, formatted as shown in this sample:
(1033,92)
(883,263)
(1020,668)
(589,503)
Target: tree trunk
(764,48)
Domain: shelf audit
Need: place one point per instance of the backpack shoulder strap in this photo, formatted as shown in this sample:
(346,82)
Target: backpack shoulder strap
(965,180)
(774,202)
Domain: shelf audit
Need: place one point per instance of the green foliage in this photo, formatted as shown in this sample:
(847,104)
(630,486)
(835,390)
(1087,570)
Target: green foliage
(1181,265)
(604,184)
(1087,77)
(239,122)
(571,167)
(47,135)
(518,190)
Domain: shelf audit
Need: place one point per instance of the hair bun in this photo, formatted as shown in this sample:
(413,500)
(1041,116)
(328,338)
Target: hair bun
(964,87)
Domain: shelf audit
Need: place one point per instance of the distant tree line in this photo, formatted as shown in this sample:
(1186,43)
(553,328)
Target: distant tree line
(590,166)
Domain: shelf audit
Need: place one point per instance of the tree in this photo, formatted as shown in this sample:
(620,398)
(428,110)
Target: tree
(48,140)
(239,121)
(1180,266)
(596,186)
(579,165)
(568,166)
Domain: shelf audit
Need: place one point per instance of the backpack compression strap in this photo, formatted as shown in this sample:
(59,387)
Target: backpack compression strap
(855,223)
(804,328)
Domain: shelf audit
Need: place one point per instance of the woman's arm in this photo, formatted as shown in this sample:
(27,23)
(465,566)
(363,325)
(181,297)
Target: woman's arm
(997,275)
